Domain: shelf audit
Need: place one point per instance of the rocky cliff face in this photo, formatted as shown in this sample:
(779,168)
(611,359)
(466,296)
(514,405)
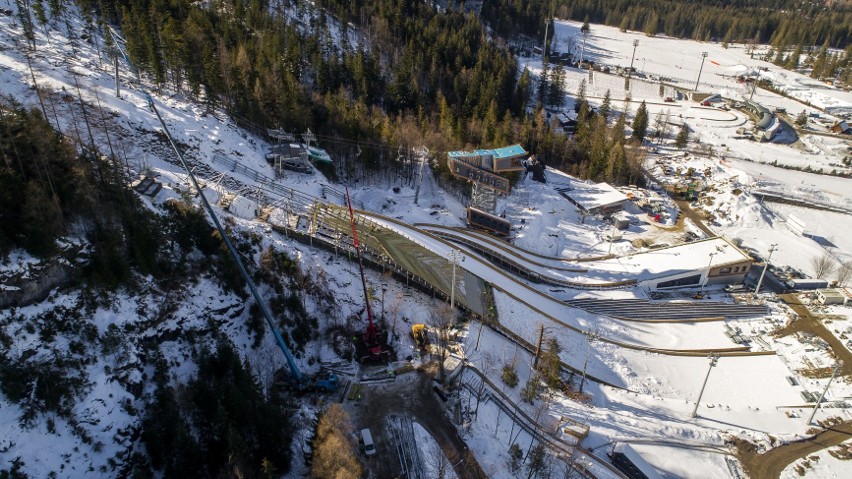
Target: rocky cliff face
(32,281)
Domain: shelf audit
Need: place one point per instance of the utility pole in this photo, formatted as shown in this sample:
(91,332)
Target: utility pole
(713,360)
(583,51)
(765,266)
(384,290)
(538,345)
(821,396)
(703,57)
(422,154)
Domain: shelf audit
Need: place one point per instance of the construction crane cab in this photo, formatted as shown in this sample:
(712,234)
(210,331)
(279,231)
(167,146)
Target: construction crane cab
(418,332)
(326,381)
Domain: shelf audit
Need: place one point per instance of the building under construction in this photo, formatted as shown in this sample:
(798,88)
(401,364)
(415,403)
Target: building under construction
(482,168)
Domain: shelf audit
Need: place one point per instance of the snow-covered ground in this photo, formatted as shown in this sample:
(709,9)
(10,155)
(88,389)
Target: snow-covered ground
(746,397)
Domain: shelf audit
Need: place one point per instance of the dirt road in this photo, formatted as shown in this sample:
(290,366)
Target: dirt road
(410,395)
(770,464)
(808,323)
(697,217)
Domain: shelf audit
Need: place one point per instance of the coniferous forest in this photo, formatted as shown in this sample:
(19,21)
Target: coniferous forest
(402,73)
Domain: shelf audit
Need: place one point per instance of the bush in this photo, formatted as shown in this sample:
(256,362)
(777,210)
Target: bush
(334,450)
(530,391)
(510,376)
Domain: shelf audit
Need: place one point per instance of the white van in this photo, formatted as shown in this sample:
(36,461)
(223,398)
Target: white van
(367,439)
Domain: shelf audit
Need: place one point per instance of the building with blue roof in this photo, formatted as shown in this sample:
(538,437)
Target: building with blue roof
(508,158)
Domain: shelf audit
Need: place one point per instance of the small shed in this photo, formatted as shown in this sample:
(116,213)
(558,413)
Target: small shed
(840,127)
(831,296)
(620,221)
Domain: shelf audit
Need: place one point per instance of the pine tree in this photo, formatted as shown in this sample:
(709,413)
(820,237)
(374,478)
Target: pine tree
(597,149)
(551,365)
(618,129)
(652,25)
(605,108)
(617,168)
(581,94)
(819,63)
(522,92)
(802,119)
(640,123)
(793,61)
(543,90)
(682,137)
(779,56)
(555,97)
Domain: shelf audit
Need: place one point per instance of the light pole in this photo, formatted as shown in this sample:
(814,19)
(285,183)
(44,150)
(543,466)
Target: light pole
(384,290)
(707,279)
(703,57)
(630,71)
(590,336)
(821,396)
(611,239)
(760,281)
(454,255)
(713,360)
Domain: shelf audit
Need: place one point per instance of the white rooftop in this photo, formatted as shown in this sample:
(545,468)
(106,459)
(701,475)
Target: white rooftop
(693,256)
(591,195)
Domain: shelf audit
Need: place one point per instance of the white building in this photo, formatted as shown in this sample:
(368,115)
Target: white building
(593,198)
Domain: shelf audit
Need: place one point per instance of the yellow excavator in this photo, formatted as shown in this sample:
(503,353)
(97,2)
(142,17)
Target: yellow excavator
(418,332)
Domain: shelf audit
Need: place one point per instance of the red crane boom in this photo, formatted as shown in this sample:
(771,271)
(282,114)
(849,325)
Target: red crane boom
(371,336)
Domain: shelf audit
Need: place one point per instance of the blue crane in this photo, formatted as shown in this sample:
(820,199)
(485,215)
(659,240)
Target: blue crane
(327,382)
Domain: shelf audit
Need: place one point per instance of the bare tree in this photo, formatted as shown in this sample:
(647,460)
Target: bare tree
(436,461)
(393,311)
(844,273)
(443,319)
(822,265)
(487,368)
(538,461)
(265,360)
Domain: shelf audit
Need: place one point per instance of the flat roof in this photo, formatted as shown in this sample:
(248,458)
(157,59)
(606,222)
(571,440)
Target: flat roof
(637,460)
(593,195)
(831,293)
(504,152)
(683,258)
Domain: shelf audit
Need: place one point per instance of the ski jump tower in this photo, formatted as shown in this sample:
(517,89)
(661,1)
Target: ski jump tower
(482,168)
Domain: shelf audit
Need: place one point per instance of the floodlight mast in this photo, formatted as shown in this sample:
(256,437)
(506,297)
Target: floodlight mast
(765,266)
(630,71)
(703,57)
